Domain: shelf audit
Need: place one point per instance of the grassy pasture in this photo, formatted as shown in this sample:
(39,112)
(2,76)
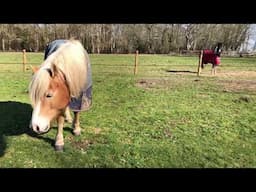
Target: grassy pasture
(165,116)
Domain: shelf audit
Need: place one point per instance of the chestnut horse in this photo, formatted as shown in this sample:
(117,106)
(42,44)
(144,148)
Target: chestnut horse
(68,117)
(61,79)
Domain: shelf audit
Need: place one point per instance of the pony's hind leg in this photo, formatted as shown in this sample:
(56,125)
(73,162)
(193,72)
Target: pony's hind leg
(76,124)
(213,71)
(68,117)
(59,141)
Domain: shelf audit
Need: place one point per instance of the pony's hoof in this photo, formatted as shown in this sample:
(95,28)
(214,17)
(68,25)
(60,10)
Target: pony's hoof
(76,133)
(59,147)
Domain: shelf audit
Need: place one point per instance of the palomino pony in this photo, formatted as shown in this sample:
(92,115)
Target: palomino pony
(63,79)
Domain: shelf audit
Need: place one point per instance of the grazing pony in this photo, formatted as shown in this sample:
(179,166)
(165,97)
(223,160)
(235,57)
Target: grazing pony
(63,80)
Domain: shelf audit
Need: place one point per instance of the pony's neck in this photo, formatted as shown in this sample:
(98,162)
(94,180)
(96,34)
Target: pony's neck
(60,75)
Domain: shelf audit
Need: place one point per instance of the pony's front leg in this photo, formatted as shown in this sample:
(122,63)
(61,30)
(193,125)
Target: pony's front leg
(76,124)
(59,141)
(213,72)
(68,117)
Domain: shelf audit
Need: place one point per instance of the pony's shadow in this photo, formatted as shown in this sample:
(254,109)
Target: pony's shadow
(15,119)
(180,71)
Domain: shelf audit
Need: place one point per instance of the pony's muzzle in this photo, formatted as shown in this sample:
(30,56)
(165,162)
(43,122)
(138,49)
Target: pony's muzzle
(40,130)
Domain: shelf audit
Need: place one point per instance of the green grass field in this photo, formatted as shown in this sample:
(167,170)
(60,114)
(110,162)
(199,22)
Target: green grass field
(164,117)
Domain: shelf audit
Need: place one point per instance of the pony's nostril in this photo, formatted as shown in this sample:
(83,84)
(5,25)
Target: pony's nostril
(37,128)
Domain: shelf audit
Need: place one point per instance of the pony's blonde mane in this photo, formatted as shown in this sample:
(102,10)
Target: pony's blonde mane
(71,59)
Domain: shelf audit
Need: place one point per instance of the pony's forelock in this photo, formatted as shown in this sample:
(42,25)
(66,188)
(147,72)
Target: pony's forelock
(39,85)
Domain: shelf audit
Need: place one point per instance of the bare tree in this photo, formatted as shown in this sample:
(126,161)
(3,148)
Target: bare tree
(125,38)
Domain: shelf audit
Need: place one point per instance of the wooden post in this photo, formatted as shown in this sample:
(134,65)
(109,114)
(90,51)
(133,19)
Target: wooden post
(200,63)
(24,59)
(136,62)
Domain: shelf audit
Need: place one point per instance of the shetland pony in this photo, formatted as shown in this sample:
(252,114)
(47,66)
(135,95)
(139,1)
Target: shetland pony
(61,78)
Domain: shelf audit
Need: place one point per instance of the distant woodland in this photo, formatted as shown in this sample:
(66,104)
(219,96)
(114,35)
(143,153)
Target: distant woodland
(125,38)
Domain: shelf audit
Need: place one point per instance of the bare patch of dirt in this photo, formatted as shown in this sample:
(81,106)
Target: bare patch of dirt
(167,133)
(97,130)
(238,85)
(231,74)
(152,83)
(82,144)
(245,98)
(233,81)
(241,74)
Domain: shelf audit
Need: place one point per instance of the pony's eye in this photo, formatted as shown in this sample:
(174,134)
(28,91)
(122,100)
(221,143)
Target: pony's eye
(49,95)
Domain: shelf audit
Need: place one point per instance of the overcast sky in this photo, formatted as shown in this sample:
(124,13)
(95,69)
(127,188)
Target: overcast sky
(252,38)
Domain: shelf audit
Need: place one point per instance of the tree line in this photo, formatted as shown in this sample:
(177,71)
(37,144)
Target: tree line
(125,38)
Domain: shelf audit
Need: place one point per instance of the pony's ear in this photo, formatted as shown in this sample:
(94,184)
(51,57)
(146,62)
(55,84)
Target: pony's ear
(54,70)
(34,69)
